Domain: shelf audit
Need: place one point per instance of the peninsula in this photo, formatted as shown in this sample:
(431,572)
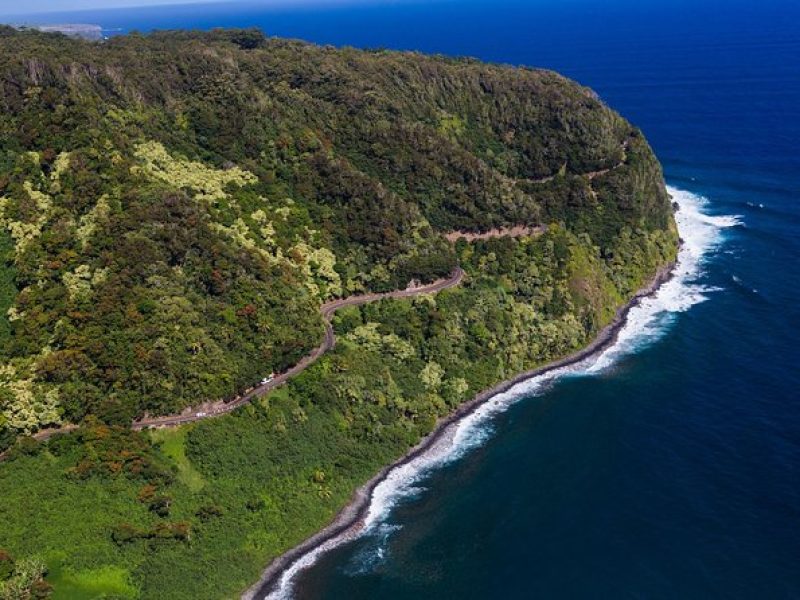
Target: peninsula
(243,275)
(79,30)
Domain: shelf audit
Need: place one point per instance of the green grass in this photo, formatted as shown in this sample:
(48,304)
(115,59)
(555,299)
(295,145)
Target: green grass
(103,582)
(254,483)
(68,523)
(173,445)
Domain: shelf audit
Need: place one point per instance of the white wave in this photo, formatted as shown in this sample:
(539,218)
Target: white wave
(374,554)
(283,589)
(701,234)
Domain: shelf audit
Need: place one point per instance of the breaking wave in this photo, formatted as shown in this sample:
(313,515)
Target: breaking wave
(647,321)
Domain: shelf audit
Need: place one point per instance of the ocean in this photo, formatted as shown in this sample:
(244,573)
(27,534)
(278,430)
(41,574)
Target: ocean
(669,467)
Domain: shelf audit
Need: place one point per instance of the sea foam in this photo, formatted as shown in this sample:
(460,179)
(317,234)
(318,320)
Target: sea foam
(647,321)
(701,235)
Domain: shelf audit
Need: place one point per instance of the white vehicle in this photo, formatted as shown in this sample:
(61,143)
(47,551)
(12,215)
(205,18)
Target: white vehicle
(201,414)
(267,379)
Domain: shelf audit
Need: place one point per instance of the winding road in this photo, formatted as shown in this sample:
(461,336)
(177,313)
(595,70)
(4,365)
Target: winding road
(328,310)
(221,407)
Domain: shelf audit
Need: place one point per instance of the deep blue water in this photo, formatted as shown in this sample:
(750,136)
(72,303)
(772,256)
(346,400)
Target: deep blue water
(676,472)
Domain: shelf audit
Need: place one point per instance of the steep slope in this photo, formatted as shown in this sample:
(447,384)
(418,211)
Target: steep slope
(175,209)
(180,204)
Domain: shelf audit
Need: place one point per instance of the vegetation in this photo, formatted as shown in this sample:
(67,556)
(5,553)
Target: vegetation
(175,209)
(22,579)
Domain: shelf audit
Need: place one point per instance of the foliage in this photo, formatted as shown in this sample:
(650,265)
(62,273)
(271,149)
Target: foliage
(6,565)
(113,451)
(175,209)
(249,485)
(181,203)
(26,581)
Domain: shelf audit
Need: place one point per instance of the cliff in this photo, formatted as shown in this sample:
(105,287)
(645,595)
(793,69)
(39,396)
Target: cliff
(176,208)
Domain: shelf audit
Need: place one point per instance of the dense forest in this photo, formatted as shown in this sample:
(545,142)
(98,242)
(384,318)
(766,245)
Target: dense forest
(176,207)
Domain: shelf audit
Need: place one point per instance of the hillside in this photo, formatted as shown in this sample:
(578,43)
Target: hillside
(177,207)
(226,184)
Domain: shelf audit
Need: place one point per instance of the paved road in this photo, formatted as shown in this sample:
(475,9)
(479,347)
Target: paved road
(515,232)
(213,409)
(328,310)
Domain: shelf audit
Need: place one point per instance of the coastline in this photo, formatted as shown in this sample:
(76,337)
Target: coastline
(350,519)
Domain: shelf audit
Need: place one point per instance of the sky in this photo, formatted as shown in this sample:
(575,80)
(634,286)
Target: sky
(37,6)
(10,8)
(31,7)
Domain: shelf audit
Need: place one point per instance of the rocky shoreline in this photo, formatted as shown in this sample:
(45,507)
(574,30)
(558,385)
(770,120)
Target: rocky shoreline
(349,521)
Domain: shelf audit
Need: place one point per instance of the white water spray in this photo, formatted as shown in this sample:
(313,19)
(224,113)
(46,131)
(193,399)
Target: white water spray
(701,234)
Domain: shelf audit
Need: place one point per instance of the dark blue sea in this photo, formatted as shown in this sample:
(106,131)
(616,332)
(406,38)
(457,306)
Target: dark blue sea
(670,466)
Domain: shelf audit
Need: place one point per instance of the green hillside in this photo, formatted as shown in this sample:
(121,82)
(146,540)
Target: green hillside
(176,208)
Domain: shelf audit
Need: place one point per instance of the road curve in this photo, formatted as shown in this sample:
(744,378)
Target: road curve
(220,407)
(329,341)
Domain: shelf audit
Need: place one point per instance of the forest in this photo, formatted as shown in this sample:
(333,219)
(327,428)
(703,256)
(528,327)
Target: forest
(174,210)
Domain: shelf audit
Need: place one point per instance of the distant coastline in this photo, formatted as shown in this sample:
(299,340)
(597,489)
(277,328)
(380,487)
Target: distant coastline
(350,519)
(85,31)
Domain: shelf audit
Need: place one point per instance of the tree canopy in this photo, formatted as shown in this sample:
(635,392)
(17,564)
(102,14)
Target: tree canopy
(175,209)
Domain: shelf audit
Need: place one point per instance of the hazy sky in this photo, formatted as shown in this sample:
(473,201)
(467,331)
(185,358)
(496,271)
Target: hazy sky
(32,6)
(11,7)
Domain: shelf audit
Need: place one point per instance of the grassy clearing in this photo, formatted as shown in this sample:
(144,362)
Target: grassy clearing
(173,445)
(103,582)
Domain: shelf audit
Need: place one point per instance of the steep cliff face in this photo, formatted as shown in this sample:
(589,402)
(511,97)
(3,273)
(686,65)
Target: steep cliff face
(174,210)
(175,207)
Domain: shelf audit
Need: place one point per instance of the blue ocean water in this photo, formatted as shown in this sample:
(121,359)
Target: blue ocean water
(673,469)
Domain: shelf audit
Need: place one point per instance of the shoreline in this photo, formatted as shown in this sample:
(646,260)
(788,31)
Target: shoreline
(349,520)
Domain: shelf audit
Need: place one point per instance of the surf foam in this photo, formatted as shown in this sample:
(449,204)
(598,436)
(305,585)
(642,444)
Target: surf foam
(647,321)
(701,234)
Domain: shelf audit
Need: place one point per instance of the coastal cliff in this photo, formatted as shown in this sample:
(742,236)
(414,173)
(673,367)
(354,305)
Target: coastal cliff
(176,209)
